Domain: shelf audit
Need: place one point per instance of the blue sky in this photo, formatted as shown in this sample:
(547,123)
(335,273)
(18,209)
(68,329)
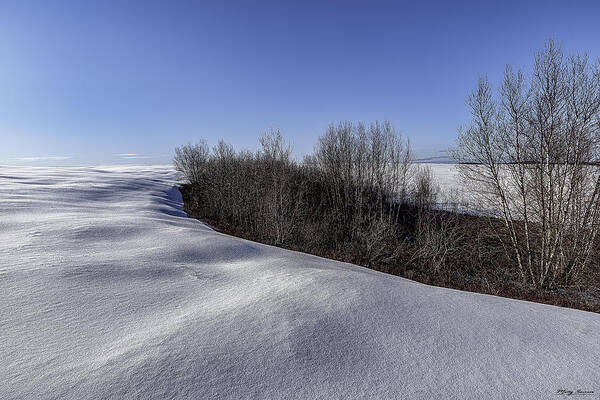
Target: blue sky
(88,82)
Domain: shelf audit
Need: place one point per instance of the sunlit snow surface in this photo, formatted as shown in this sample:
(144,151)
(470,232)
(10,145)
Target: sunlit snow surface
(108,290)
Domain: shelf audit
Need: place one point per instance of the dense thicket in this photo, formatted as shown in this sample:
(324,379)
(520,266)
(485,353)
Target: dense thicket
(350,193)
(357,198)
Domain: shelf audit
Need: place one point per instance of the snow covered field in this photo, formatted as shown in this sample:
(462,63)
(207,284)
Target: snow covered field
(107,290)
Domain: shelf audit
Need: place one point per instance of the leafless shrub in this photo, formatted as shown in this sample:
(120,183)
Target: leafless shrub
(191,160)
(436,239)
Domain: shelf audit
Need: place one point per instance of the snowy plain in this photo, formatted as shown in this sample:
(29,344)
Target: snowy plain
(109,291)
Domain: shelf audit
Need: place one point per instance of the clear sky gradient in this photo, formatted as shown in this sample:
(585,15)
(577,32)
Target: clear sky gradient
(87,82)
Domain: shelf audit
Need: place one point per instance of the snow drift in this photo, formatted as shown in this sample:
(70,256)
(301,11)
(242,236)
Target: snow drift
(108,290)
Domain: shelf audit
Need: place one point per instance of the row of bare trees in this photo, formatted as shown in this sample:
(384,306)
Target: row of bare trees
(351,196)
(532,152)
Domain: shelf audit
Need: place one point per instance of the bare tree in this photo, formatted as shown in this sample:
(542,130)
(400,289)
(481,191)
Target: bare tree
(532,154)
(282,200)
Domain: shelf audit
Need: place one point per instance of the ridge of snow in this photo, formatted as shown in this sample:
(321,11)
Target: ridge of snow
(108,290)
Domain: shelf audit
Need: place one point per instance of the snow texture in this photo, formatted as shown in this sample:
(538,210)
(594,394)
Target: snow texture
(109,291)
